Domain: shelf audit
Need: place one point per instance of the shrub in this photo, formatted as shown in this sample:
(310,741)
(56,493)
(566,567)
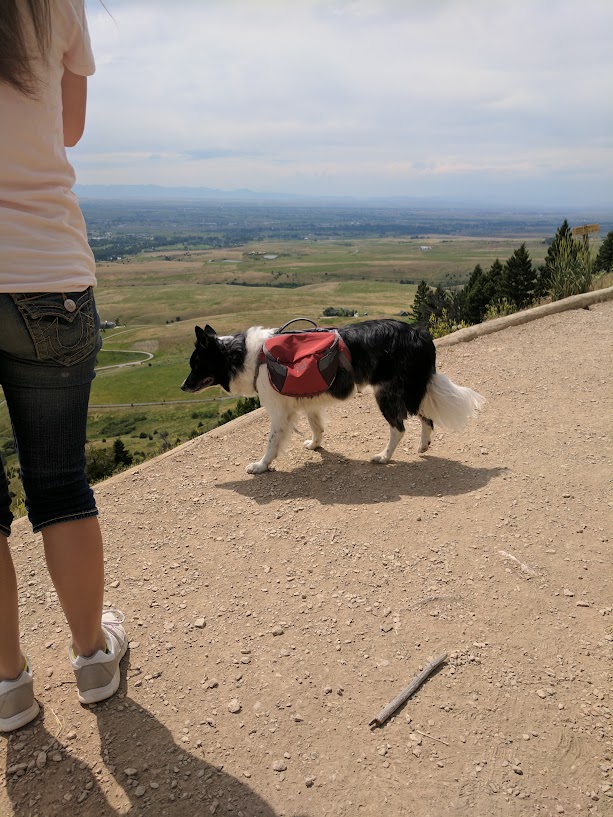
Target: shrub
(499,308)
(444,325)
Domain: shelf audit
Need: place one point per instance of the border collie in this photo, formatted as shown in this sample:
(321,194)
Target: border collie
(398,360)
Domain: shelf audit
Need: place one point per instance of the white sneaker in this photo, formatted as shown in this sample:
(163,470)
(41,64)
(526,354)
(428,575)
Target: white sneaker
(98,676)
(18,705)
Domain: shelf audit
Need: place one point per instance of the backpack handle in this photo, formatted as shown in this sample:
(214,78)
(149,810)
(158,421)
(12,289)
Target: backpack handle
(295,320)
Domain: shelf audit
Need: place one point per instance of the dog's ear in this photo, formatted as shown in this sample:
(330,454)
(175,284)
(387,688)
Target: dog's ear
(203,336)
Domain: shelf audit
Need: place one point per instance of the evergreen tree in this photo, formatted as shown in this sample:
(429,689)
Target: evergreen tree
(476,296)
(121,454)
(437,301)
(519,278)
(420,304)
(494,282)
(564,235)
(604,259)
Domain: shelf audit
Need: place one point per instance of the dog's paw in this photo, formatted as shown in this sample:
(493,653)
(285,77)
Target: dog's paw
(256,468)
(312,445)
(382,459)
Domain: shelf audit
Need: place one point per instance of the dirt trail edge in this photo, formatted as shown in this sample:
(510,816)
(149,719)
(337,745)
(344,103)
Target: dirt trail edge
(271,618)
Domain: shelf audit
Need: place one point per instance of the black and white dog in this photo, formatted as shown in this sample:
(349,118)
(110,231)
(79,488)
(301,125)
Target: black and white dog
(396,359)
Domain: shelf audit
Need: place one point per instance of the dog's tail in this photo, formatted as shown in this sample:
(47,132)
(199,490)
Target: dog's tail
(448,405)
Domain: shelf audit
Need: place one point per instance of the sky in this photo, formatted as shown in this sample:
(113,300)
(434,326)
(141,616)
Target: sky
(500,101)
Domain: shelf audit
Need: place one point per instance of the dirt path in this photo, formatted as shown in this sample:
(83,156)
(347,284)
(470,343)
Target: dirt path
(272,617)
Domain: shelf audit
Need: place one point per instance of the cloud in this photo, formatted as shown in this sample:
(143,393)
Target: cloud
(332,95)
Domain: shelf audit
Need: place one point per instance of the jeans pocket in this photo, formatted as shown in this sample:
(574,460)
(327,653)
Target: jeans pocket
(63,326)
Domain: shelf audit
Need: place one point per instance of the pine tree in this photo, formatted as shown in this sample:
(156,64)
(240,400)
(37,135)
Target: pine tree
(604,259)
(121,454)
(420,304)
(494,281)
(519,278)
(476,296)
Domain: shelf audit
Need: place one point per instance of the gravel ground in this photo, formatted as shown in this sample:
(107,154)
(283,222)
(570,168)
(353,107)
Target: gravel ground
(272,617)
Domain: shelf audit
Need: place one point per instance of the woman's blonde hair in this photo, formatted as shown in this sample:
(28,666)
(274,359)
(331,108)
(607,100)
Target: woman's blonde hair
(15,59)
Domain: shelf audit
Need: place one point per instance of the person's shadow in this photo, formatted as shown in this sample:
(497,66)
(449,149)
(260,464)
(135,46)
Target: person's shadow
(144,771)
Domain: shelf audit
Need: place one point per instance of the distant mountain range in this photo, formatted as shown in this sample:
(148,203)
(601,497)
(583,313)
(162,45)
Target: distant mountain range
(157,192)
(432,204)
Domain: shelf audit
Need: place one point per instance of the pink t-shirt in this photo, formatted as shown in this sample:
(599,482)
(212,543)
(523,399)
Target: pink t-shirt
(43,240)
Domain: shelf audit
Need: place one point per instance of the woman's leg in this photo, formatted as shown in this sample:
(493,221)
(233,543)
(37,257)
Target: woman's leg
(74,555)
(11,657)
(47,364)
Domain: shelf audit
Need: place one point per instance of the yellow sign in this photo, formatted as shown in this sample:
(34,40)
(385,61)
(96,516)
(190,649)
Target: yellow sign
(587,228)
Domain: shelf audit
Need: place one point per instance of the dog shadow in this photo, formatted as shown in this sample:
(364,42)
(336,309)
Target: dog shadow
(145,772)
(337,480)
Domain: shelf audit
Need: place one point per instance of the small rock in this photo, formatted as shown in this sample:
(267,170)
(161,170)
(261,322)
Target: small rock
(517,770)
(277,630)
(234,706)
(279,766)
(41,760)
(115,583)
(199,623)
(139,791)
(130,772)
(309,782)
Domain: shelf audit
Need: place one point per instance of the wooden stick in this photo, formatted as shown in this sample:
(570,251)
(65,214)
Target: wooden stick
(389,710)
(431,737)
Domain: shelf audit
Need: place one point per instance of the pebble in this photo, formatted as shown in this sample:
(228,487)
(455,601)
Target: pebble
(234,706)
(41,760)
(277,630)
(279,766)
(200,623)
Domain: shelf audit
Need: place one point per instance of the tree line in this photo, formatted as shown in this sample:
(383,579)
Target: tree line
(504,288)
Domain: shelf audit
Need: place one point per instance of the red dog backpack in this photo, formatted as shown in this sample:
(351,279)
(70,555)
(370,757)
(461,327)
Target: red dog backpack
(304,362)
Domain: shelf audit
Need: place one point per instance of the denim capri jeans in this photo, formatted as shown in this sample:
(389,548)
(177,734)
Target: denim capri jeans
(48,347)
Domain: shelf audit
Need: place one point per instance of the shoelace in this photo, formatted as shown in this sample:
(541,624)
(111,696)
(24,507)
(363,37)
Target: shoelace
(113,624)
(119,616)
